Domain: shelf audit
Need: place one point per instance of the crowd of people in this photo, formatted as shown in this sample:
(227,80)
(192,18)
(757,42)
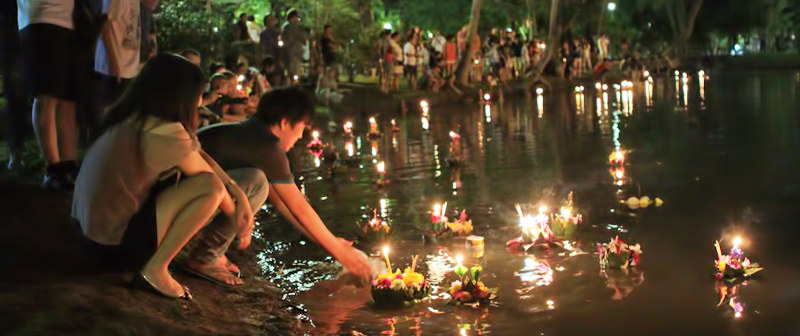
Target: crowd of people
(163,183)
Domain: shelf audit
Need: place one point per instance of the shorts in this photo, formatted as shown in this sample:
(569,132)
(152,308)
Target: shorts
(410,70)
(141,237)
(397,69)
(50,62)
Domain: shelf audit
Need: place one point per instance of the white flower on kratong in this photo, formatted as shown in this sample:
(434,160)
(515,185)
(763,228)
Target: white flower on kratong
(635,248)
(633,202)
(397,284)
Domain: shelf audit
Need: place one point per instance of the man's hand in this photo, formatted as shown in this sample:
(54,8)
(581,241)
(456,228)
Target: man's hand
(353,260)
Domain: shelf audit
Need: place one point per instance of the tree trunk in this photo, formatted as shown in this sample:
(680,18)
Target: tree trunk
(465,63)
(688,27)
(553,39)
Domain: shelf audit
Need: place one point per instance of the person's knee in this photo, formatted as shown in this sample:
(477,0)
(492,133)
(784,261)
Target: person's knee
(255,185)
(207,184)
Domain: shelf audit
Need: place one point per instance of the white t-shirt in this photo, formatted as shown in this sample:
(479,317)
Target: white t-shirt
(123,16)
(409,54)
(438,43)
(55,12)
(424,56)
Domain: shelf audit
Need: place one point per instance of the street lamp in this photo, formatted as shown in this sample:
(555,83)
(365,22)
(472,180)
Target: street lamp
(612,6)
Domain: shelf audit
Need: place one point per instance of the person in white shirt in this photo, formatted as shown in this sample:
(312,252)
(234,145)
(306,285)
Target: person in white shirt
(438,42)
(47,40)
(117,55)
(410,59)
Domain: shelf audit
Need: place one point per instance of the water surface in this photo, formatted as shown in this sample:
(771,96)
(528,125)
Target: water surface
(721,152)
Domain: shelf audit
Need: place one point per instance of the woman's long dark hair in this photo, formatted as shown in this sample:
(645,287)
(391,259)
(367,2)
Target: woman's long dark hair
(168,87)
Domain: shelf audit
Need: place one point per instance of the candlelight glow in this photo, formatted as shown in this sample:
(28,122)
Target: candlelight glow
(487,96)
(348,126)
(381,167)
(597,85)
(315,134)
(350,148)
(542,209)
(459,259)
(736,242)
(539,91)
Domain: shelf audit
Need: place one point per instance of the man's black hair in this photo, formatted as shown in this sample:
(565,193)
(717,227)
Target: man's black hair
(289,103)
(187,52)
(292,13)
(268,61)
(215,66)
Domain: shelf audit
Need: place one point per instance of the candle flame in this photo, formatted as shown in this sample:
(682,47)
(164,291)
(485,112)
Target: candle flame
(371,120)
(542,209)
(315,134)
(385,250)
(486,96)
(381,167)
(459,259)
(737,241)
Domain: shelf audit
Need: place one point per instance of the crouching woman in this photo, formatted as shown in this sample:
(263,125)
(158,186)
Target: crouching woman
(145,186)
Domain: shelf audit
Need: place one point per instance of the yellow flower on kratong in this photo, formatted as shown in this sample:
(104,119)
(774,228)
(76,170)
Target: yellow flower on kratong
(455,287)
(389,276)
(721,266)
(413,279)
(460,227)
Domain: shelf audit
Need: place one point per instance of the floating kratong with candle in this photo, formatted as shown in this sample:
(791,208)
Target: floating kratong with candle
(374,132)
(347,129)
(442,226)
(381,180)
(565,222)
(315,144)
(375,230)
(469,289)
(734,266)
(397,288)
(616,158)
(616,254)
(546,230)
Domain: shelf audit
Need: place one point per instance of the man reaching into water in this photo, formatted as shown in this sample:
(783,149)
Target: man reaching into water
(262,142)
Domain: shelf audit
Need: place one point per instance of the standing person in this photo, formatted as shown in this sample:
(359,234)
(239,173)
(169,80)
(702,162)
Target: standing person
(47,40)
(240,32)
(253,29)
(262,142)
(148,25)
(602,46)
(396,61)
(294,39)
(586,52)
(17,123)
(269,38)
(410,59)
(117,57)
(450,56)
(147,188)
(438,42)
(328,47)
(381,47)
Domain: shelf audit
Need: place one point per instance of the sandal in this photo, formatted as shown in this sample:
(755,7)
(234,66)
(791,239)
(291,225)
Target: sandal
(208,274)
(142,282)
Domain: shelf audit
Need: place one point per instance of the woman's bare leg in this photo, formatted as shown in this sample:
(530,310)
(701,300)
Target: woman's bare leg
(180,212)
(44,126)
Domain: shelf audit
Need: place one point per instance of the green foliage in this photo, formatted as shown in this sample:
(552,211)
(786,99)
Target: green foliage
(187,24)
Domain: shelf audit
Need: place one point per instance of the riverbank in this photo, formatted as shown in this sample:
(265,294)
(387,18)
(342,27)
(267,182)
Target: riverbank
(50,287)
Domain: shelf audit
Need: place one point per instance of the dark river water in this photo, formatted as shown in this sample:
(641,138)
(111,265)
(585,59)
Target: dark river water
(720,149)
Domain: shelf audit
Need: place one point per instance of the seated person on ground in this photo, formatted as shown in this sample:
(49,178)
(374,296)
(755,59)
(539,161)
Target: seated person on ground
(225,98)
(328,88)
(145,187)
(262,142)
(272,72)
(432,79)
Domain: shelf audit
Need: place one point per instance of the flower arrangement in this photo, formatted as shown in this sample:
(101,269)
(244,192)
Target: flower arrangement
(374,132)
(375,230)
(617,254)
(454,156)
(734,266)
(315,144)
(441,226)
(564,223)
(393,289)
(469,288)
(616,158)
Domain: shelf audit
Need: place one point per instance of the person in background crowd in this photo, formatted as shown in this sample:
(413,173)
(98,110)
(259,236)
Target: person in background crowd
(13,86)
(192,55)
(450,56)
(438,42)
(240,32)
(328,47)
(328,90)
(384,64)
(271,72)
(294,38)
(269,38)
(117,57)
(253,29)
(148,25)
(47,39)
(395,56)
(410,59)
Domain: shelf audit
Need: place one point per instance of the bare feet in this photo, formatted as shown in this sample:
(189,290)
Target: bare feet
(231,267)
(162,281)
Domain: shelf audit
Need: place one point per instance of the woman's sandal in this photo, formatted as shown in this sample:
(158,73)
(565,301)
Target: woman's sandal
(141,282)
(208,274)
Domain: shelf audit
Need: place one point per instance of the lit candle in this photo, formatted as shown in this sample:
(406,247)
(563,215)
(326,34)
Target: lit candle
(373,125)
(348,127)
(381,168)
(736,253)
(315,134)
(386,257)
